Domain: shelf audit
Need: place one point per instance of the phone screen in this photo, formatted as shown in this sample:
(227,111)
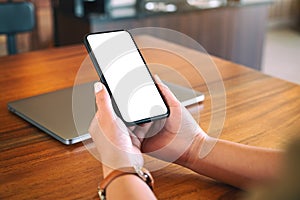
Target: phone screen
(122,69)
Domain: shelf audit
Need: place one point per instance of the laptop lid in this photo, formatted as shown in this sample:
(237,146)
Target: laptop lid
(54,113)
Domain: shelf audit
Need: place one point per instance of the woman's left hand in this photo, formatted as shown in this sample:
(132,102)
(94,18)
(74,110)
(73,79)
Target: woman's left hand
(117,145)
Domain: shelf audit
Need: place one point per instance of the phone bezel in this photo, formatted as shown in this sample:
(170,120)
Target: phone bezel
(103,80)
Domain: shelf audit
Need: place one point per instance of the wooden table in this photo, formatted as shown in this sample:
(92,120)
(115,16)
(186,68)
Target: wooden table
(260,110)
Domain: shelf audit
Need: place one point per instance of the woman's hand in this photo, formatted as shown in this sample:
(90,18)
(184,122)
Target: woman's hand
(116,144)
(118,147)
(177,138)
(173,139)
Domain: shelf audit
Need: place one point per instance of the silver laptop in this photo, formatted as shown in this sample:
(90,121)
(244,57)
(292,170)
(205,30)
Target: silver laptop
(68,120)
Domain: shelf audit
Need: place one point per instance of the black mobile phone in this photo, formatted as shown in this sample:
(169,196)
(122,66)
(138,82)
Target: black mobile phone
(135,97)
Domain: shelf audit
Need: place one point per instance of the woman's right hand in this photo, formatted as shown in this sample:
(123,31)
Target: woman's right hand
(176,138)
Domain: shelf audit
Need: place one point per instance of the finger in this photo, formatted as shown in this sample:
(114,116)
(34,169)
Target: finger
(103,101)
(135,140)
(175,119)
(109,123)
(141,130)
(131,128)
(172,101)
(136,127)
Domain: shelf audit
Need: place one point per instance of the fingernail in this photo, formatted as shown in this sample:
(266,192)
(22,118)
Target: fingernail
(157,78)
(97,87)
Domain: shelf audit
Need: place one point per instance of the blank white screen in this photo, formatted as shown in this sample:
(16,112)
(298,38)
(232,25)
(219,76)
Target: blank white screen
(127,76)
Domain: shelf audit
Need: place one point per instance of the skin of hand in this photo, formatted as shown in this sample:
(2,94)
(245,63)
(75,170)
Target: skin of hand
(172,139)
(177,139)
(119,146)
(233,163)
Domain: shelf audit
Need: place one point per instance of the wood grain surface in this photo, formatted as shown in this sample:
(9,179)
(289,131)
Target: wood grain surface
(260,110)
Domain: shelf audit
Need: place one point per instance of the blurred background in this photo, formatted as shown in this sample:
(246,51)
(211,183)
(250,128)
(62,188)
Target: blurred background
(261,34)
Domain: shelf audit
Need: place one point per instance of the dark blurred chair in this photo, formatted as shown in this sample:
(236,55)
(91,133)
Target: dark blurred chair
(15,17)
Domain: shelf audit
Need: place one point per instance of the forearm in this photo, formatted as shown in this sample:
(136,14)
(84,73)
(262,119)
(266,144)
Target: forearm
(236,164)
(129,187)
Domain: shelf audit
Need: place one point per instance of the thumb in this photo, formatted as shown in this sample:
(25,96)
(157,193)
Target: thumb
(105,110)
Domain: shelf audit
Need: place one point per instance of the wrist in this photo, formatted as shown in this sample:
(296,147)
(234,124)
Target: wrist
(142,173)
(198,152)
(107,169)
(122,161)
(192,153)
